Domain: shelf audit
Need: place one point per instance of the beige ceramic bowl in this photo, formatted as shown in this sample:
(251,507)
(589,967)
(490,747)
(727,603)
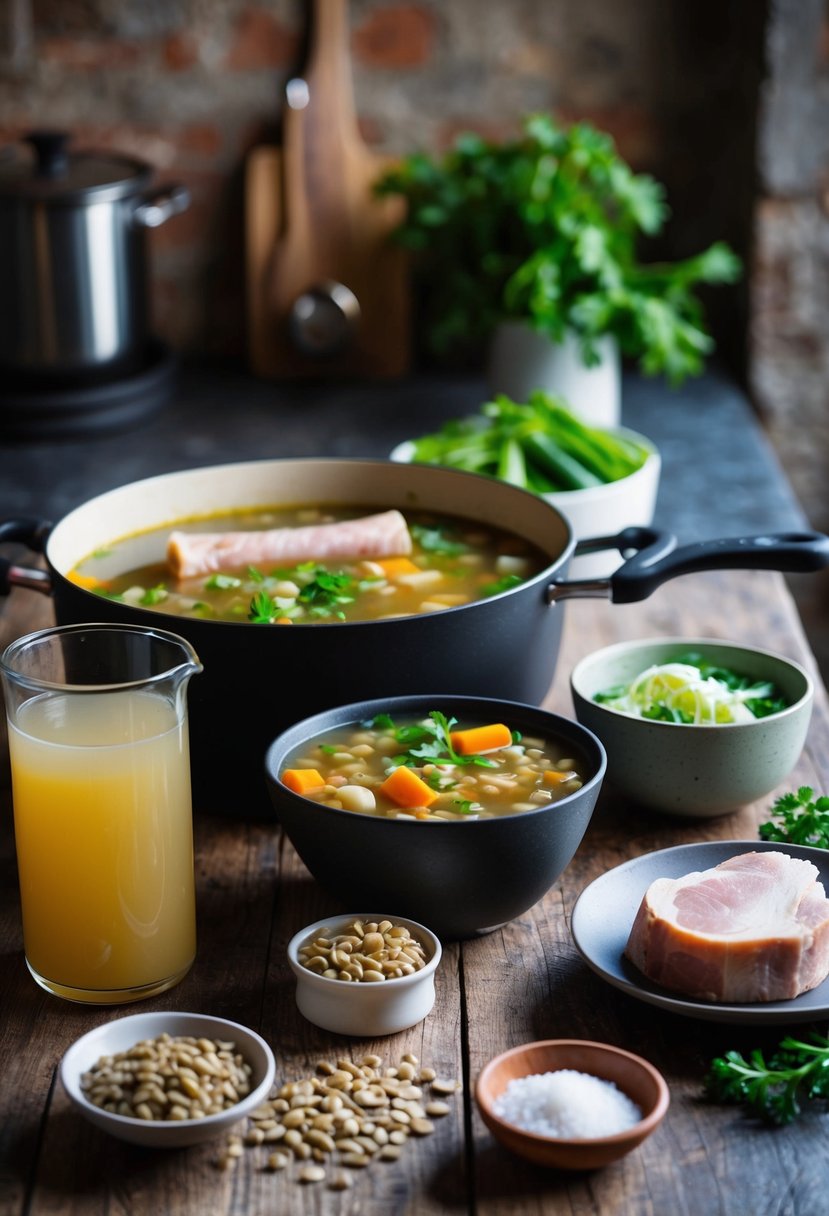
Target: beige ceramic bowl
(364,1009)
(694,770)
(635,1077)
(120,1034)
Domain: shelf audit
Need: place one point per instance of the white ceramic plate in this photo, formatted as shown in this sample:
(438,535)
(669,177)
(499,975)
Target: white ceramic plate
(604,913)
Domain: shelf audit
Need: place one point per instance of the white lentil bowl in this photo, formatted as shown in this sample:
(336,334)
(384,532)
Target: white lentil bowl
(121,1034)
(363,1009)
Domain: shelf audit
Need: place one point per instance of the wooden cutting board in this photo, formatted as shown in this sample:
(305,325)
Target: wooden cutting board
(312,220)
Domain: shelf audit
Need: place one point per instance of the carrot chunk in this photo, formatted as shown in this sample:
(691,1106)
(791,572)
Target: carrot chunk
(301,780)
(87,581)
(481,739)
(554,776)
(406,789)
(394,566)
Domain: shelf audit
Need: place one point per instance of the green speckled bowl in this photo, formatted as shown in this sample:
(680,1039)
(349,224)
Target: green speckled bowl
(694,770)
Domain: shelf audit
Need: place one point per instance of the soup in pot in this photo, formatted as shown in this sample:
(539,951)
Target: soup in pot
(311,565)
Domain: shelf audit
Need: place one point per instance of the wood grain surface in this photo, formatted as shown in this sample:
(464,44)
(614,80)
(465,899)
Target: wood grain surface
(520,983)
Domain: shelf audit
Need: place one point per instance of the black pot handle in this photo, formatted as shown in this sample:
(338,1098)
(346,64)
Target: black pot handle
(793,552)
(32,533)
(649,543)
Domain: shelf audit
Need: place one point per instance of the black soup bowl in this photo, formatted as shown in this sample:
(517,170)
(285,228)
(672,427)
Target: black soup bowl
(459,878)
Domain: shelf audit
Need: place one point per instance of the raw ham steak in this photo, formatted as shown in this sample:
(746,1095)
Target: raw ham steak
(754,928)
(383,535)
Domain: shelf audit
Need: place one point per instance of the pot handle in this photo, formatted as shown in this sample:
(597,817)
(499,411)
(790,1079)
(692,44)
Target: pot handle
(159,206)
(32,533)
(793,552)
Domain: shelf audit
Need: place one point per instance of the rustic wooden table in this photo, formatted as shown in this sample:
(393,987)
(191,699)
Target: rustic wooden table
(520,983)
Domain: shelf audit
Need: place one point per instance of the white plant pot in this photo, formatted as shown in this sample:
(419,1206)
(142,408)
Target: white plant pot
(522,359)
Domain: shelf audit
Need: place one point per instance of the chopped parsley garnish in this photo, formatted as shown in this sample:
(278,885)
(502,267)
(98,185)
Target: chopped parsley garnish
(255,575)
(463,806)
(154,595)
(223,582)
(262,611)
(428,742)
(502,584)
(325,591)
(434,540)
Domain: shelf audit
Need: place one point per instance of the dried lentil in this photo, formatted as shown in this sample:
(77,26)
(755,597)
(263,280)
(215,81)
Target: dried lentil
(155,1079)
(346,1115)
(365,953)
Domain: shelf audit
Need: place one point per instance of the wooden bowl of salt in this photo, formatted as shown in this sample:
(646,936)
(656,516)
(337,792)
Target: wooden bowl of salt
(570,1103)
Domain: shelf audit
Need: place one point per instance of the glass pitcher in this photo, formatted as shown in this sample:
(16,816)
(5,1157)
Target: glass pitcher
(100,762)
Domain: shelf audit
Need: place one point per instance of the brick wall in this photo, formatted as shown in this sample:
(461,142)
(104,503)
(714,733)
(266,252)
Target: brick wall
(191,85)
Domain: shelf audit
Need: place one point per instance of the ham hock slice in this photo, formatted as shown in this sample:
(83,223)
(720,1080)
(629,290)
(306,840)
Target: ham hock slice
(193,553)
(754,928)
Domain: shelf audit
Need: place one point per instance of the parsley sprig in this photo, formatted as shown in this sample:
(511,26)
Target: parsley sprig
(799,818)
(775,1088)
(428,742)
(326,591)
(262,611)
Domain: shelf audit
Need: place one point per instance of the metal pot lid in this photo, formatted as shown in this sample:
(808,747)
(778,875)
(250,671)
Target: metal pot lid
(47,171)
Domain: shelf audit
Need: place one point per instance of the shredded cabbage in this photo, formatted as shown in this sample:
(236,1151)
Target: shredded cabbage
(679,692)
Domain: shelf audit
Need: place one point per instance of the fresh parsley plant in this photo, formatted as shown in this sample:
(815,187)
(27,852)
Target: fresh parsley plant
(545,228)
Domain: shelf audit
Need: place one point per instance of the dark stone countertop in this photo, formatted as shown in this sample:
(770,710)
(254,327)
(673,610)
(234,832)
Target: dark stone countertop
(720,475)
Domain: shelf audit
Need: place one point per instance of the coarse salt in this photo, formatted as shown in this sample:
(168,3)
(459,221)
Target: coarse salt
(566,1105)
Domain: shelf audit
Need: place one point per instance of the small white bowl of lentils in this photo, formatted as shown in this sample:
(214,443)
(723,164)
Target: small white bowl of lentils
(165,1079)
(364,974)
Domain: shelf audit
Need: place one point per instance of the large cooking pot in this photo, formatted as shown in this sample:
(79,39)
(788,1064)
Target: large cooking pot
(73,273)
(259,680)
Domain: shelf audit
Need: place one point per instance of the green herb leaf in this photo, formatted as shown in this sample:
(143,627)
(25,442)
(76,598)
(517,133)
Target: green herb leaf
(506,583)
(262,611)
(428,742)
(798,818)
(154,595)
(434,540)
(546,227)
(222,582)
(775,1089)
(325,591)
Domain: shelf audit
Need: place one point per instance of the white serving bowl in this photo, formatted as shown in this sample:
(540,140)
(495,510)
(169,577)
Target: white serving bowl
(689,770)
(367,1010)
(120,1034)
(599,510)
